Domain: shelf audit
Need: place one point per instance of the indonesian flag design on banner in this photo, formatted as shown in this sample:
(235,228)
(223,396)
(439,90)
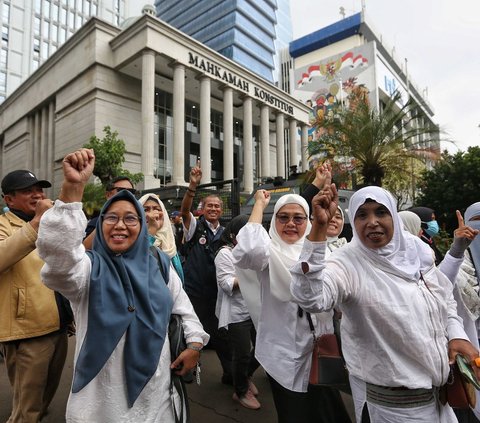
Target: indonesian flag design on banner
(330,69)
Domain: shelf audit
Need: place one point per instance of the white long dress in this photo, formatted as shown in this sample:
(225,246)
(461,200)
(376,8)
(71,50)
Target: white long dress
(67,270)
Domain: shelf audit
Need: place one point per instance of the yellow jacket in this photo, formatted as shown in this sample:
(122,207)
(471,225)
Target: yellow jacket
(27,307)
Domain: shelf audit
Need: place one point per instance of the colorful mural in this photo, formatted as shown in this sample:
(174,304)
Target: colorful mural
(342,79)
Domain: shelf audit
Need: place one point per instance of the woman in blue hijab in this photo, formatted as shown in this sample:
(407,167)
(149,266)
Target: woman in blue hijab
(122,305)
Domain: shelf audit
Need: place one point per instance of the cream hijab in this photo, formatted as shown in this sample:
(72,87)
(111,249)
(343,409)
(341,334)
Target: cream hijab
(164,238)
(284,255)
(334,242)
(405,255)
(411,222)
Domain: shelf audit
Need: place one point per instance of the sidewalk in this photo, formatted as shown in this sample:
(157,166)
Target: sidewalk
(211,402)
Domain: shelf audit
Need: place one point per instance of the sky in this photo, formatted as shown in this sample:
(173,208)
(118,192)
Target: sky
(440,40)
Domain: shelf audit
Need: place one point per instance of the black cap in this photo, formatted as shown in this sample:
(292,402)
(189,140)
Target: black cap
(21,179)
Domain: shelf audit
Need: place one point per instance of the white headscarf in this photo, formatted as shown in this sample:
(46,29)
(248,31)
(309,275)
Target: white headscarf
(411,222)
(471,212)
(164,238)
(284,255)
(405,255)
(334,242)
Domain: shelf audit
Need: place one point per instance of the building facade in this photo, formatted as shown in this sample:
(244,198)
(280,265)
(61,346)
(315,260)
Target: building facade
(32,30)
(172,99)
(250,32)
(346,59)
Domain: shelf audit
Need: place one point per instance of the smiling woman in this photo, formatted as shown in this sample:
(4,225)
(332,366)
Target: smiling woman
(399,318)
(118,296)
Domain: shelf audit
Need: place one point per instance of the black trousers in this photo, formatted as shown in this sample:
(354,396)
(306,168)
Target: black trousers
(317,405)
(205,310)
(241,336)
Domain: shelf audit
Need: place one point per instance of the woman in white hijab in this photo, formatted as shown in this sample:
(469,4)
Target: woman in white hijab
(160,230)
(400,328)
(284,341)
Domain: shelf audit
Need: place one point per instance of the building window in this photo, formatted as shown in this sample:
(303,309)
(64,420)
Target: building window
(93,9)
(78,23)
(46,8)
(38,6)
(55,12)
(3,81)
(3,58)
(54,34)
(46,29)
(36,45)
(44,50)
(71,19)
(63,16)
(5,33)
(62,35)
(35,63)
(36,25)
(6,12)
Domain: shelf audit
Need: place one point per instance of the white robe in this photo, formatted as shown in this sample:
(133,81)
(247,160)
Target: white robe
(394,332)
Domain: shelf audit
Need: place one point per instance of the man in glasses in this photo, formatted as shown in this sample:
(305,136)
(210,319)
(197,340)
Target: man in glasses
(116,185)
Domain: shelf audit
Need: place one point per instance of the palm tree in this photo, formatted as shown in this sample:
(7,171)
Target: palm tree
(378,142)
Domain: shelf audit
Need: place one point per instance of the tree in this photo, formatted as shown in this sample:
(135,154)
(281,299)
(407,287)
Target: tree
(451,185)
(377,143)
(109,157)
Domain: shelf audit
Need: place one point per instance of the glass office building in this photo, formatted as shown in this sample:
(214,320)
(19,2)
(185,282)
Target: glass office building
(32,30)
(250,32)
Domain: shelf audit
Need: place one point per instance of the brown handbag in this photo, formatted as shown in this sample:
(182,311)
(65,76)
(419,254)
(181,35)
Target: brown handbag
(328,366)
(459,392)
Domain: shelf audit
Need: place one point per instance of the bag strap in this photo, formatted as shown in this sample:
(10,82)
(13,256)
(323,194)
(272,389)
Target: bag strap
(163,262)
(175,380)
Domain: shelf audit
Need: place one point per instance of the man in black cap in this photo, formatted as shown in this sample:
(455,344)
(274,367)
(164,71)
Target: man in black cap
(33,338)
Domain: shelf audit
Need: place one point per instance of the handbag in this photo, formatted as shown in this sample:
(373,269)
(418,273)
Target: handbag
(328,366)
(461,385)
(176,337)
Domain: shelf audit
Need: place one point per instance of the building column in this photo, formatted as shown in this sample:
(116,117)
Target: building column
(280,137)
(178,177)
(293,143)
(43,145)
(51,142)
(304,144)
(148,113)
(247,145)
(265,141)
(205,131)
(227,133)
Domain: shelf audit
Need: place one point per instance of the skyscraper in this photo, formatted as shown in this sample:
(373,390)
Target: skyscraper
(250,32)
(32,30)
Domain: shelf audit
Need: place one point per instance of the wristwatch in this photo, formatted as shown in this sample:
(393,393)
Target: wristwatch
(194,347)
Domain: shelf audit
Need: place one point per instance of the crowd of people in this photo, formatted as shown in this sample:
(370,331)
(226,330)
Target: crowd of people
(260,298)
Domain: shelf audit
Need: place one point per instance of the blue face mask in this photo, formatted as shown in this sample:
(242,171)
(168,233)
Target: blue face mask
(432,228)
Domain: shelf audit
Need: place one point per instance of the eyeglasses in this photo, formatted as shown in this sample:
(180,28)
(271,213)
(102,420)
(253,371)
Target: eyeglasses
(285,218)
(131,190)
(129,219)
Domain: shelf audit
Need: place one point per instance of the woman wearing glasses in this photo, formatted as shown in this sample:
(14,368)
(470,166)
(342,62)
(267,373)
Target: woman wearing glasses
(284,341)
(121,302)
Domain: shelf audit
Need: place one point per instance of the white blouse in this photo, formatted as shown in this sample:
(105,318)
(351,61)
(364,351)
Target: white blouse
(284,341)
